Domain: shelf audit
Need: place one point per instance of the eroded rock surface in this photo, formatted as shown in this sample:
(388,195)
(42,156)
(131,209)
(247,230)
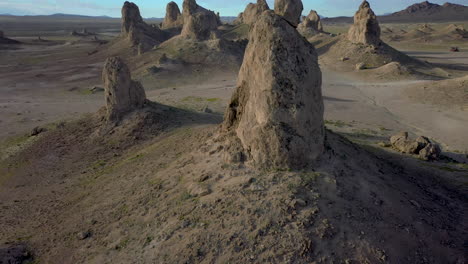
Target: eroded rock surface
(366,29)
(252,12)
(421,146)
(430,152)
(199,23)
(122,94)
(173,16)
(136,31)
(311,24)
(276,112)
(291,10)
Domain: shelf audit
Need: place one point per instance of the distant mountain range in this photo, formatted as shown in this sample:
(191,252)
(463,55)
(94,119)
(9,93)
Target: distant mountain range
(227,19)
(59,15)
(69,15)
(423,12)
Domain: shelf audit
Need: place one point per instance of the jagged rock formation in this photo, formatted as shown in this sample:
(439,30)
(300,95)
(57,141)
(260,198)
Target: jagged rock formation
(276,113)
(252,12)
(311,24)
(366,29)
(218,17)
(199,23)
(122,93)
(173,16)
(291,10)
(136,31)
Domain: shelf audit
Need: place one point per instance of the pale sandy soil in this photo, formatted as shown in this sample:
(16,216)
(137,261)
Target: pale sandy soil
(379,108)
(41,84)
(448,126)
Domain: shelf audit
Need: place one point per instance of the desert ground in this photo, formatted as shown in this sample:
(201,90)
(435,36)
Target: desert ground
(160,192)
(48,82)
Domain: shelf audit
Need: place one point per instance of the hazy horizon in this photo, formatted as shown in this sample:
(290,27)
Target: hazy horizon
(149,8)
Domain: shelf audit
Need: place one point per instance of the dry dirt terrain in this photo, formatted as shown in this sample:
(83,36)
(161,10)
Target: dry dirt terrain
(156,187)
(43,84)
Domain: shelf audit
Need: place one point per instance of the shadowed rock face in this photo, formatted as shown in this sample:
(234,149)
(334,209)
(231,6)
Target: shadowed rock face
(366,29)
(189,7)
(199,22)
(122,93)
(277,109)
(252,12)
(1,34)
(173,16)
(136,30)
(291,10)
(311,23)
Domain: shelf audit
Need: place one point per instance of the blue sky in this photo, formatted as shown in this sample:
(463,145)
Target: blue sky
(156,8)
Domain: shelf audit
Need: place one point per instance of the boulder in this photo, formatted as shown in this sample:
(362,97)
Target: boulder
(360,66)
(37,130)
(276,112)
(423,140)
(402,143)
(136,31)
(173,17)
(430,152)
(199,22)
(96,89)
(15,253)
(421,146)
(122,94)
(311,24)
(253,11)
(366,29)
(291,10)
